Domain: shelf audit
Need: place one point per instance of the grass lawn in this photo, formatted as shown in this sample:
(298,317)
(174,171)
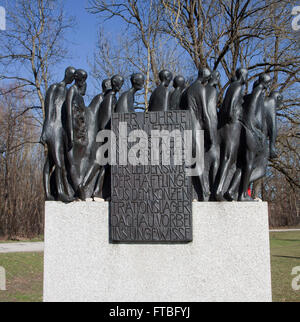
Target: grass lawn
(285,254)
(22,240)
(24,271)
(24,277)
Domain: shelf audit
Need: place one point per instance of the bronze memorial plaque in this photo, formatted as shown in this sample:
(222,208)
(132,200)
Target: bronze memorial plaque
(151,193)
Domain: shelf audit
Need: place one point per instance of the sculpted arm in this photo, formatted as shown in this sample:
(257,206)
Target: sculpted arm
(105,113)
(70,130)
(48,100)
(183,104)
(122,104)
(233,106)
(167,101)
(96,102)
(207,116)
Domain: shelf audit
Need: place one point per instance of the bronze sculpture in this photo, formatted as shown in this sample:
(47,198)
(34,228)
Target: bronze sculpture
(54,136)
(159,100)
(126,101)
(271,103)
(239,139)
(212,149)
(77,135)
(230,132)
(93,115)
(107,107)
(179,87)
(194,100)
(253,132)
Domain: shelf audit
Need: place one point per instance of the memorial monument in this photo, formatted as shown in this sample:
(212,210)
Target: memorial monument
(166,180)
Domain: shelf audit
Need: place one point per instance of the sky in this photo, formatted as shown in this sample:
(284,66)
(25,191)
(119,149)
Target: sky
(84,36)
(82,39)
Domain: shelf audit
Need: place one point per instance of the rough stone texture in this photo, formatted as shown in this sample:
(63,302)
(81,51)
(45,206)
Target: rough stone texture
(228,260)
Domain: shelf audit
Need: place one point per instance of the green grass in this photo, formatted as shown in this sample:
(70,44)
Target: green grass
(25,271)
(285,254)
(22,240)
(24,277)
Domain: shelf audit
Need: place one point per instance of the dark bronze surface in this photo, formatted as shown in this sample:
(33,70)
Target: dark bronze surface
(151,203)
(239,132)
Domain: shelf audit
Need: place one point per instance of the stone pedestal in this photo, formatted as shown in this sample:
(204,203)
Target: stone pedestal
(228,260)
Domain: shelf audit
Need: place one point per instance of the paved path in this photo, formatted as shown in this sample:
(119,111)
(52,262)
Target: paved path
(39,246)
(22,247)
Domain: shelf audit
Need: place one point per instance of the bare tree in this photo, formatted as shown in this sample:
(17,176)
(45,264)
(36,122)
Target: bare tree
(125,56)
(142,47)
(21,194)
(281,185)
(34,41)
(32,44)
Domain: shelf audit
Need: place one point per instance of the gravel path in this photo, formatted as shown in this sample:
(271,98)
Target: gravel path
(22,247)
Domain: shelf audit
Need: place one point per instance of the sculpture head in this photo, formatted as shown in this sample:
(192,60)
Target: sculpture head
(106,85)
(204,75)
(137,81)
(69,75)
(278,98)
(214,78)
(165,77)
(117,82)
(179,82)
(265,80)
(242,75)
(80,80)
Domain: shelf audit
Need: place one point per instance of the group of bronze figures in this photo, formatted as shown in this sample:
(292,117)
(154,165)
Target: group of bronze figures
(239,134)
